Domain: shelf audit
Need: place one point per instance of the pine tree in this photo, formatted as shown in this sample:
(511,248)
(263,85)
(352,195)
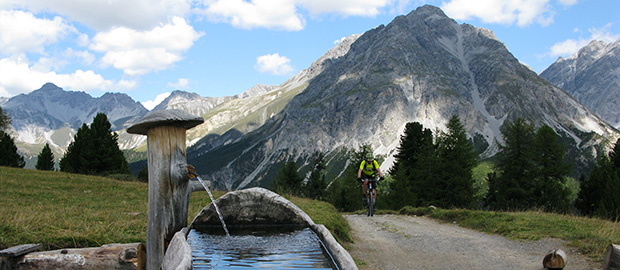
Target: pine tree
(45,160)
(288,180)
(599,192)
(95,150)
(513,186)
(9,156)
(104,151)
(412,167)
(5,120)
(456,159)
(551,171)
(73,161)
(8,151)
(316,184)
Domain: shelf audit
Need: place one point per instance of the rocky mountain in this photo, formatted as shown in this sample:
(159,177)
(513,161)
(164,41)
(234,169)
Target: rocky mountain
(53,115)
(52,107)
(256,90)
(189,102)
(592,76)
(421,67)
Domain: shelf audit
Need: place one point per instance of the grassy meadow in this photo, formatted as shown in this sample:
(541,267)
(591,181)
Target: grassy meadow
(62,210)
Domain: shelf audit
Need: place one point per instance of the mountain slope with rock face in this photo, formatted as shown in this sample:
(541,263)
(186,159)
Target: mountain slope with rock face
(592,76)
(422,67)
(53,115)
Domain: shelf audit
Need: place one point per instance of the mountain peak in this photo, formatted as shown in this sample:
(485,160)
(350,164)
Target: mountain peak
(256,90)
(49,87)
(427,10)
(593,50)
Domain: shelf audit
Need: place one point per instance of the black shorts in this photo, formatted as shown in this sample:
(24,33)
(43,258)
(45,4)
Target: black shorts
(365,176)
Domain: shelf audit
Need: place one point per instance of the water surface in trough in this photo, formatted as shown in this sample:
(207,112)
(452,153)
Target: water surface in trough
(294,248)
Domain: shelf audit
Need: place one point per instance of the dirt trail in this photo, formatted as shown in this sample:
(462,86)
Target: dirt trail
(408,242)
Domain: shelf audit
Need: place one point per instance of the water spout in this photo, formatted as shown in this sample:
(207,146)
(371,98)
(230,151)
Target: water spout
(215,205)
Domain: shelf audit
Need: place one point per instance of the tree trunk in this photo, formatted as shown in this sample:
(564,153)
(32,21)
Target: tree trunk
(612,257)
(555,259)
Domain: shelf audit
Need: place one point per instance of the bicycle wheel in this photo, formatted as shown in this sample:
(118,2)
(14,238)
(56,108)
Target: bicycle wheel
(368,208)
(371,204)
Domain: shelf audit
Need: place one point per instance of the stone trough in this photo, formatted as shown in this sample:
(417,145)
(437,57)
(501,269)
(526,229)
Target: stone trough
(253,208)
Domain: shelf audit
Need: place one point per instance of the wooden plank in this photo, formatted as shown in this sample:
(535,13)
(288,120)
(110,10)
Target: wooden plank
(20,250)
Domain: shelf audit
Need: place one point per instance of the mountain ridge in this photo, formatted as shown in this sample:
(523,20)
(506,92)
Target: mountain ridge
(592,76)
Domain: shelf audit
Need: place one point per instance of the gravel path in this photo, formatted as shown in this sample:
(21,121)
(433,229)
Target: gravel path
(409,242)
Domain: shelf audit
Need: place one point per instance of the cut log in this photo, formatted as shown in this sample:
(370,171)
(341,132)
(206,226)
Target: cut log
(113,256)
(612,257)
(19,250)
(555,259)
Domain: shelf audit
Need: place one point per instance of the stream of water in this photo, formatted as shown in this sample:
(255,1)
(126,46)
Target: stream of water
(215,205)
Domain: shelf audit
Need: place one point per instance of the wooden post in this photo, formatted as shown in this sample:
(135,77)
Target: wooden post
(168,180)
(555,259)
(612,257)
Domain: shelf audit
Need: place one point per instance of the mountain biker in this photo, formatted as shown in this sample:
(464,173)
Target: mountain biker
(368,170)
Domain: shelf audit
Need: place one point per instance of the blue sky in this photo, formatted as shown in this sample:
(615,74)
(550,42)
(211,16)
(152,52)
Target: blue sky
(148,48)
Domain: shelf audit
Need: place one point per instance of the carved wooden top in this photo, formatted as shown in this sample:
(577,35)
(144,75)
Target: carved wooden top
(173,117)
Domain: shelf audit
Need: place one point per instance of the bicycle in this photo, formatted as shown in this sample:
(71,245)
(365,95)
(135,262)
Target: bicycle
(370,196)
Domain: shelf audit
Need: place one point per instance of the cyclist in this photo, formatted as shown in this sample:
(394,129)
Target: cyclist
(368,170)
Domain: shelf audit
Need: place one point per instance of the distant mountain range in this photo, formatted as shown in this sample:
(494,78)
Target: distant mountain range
(592,76)
(422,67)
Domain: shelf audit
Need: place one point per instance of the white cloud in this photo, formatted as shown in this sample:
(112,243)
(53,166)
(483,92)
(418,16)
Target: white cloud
(182,83)
(521,12)
(568,2)
(105,15)
(277,14)
(286,14)
(140,52)
(19,77)
(273,64)
(85,57)
(567,47)
(345,7)
(22,32)
(150,104)
(571,46)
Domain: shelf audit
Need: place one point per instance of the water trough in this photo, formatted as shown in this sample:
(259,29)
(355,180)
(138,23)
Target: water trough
(254,209)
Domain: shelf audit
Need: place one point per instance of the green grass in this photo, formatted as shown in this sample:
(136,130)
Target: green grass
(590,235)
(61,210)
(326,214)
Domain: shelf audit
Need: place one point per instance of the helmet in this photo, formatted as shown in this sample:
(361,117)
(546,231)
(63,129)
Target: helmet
(369,156)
